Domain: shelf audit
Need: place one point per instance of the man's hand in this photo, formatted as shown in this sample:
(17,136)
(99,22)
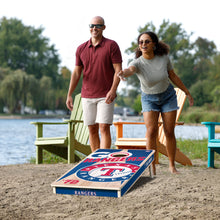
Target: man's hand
(110,97)
(69,103)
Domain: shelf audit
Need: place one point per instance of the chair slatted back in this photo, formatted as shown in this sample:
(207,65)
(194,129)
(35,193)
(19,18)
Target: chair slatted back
(181,98)
(81,131)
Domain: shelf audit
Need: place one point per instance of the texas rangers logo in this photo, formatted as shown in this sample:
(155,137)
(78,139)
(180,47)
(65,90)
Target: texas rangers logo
(107,172)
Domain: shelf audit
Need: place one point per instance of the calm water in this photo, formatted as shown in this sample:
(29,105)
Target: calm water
(17,137)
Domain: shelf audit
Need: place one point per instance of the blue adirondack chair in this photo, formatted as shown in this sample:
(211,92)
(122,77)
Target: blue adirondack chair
(213,143)
(71,147)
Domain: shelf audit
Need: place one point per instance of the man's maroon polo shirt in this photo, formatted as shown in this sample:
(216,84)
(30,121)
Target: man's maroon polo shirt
(97,62)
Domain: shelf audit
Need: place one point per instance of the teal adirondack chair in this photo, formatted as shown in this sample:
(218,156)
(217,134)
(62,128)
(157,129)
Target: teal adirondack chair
(213,143)
(72,147)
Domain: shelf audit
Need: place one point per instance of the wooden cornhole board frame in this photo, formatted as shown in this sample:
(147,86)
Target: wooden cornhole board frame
(106,172)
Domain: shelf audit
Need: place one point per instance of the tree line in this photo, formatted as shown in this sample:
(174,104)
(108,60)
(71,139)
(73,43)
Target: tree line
(30,72)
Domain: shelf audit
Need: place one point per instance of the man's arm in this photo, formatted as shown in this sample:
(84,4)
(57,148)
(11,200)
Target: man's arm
(73,83)
(111,95)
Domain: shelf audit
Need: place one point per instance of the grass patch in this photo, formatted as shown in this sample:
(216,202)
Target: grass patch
(49,158)
(194,149)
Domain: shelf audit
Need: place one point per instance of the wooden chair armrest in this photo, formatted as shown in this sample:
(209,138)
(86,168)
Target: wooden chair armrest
(47,123)
(208,123)
(130,123)
(180,123)
(211,128)
(39,126)
(140,123)
(75,121)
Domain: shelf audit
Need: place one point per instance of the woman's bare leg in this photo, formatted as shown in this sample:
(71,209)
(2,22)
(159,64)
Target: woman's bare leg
(151,122)
(169,119)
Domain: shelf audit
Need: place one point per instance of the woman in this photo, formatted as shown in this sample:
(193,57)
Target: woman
(154,70)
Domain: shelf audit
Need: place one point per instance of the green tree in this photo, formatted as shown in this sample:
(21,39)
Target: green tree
(216,96)
(62,87)
(4,72)
(24,47)
(137,104)
(14,90)
(46,95)
(201,92)
(176,37)
(205,89)
(204,49)
(204,52)
(33,93)
(184,69)
(214,69)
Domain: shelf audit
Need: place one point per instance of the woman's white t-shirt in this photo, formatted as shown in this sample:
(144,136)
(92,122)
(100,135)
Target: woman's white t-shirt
(153,74)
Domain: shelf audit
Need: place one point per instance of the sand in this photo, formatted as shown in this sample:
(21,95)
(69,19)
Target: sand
(26,193)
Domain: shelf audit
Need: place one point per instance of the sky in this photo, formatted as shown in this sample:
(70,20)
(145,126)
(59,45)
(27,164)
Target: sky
(65,22)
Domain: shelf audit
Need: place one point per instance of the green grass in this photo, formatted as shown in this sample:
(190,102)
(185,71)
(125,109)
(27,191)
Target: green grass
(194,149)
(49,158)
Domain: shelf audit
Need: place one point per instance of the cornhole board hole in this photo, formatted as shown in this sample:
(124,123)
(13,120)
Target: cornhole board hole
(105,172)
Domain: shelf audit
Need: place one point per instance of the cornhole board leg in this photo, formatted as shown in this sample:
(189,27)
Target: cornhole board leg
(106,172)
(151,171)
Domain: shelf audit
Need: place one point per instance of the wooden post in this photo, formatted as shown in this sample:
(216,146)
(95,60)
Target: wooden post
(39,150)
(71,144)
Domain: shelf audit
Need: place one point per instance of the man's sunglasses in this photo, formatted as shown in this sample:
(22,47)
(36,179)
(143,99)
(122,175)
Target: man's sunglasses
(145,41)
(96,25)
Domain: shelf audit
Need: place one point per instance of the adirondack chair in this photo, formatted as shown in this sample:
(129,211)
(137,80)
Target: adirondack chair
(71,147)
(140,143)
(213,143)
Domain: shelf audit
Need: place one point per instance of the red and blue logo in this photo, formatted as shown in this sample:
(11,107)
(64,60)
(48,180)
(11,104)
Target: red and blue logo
(107,172)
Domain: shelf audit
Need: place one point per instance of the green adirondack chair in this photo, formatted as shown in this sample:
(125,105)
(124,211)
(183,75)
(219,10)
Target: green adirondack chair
(72,147)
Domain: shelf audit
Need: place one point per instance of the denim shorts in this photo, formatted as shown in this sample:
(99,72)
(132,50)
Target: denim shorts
(162,102)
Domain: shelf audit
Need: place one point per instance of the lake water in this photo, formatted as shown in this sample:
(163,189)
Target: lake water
(17,137)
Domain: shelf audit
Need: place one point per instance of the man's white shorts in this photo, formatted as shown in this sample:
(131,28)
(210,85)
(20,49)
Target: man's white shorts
(95,110)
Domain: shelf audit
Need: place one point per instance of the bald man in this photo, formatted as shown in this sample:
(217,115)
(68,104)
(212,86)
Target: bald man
(99,60)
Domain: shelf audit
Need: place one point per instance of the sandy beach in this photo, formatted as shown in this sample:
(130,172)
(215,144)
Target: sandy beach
(26,193)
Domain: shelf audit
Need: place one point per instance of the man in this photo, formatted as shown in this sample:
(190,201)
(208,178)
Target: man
(100,60)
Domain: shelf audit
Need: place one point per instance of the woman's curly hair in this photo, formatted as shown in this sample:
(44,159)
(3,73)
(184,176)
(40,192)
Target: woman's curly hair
(160,47)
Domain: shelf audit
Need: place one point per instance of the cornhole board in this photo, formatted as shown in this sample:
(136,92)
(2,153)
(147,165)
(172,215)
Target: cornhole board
(105,172)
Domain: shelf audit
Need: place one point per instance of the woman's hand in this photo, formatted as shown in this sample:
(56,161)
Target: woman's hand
(190,98)
(121,75)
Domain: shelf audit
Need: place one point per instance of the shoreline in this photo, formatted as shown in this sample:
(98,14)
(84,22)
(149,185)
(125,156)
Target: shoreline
(31,116)
(121,118)
(130,118)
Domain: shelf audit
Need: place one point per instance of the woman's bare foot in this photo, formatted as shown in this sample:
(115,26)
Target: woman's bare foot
(173,170)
